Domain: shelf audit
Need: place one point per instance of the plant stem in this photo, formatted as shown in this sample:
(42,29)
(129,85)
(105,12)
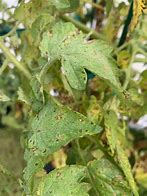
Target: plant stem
(82,27)
(3,67)
(126,26)
(88,170)
(97,6)
(11,58)
(142,60)
(128,73)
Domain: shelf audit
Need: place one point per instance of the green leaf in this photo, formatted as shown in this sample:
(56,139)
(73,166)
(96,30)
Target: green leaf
(56,126)
(125,165)
(66,181)
(108,179)
(67,44)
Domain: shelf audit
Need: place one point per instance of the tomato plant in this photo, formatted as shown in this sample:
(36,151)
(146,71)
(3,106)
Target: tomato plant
(70,97)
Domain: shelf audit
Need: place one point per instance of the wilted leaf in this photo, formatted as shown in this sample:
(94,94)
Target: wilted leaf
(138,6)
(65,43)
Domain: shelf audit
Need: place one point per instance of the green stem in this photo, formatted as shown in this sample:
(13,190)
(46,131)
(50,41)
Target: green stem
(128,73)
(3,67)
(142,60)
(142,51)
(11,58)
(88,170)
(82,27)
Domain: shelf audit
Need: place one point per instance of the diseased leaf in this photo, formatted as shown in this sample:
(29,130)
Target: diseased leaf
(32,10)
(125,165)
(66,181)
(65,43)
(34,165)
(40,25)
(138,6)
(56,126)
(108,179)
(111,124)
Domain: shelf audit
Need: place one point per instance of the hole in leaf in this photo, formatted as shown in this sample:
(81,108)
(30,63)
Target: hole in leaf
(48,167)
(58,174)
(44,151)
